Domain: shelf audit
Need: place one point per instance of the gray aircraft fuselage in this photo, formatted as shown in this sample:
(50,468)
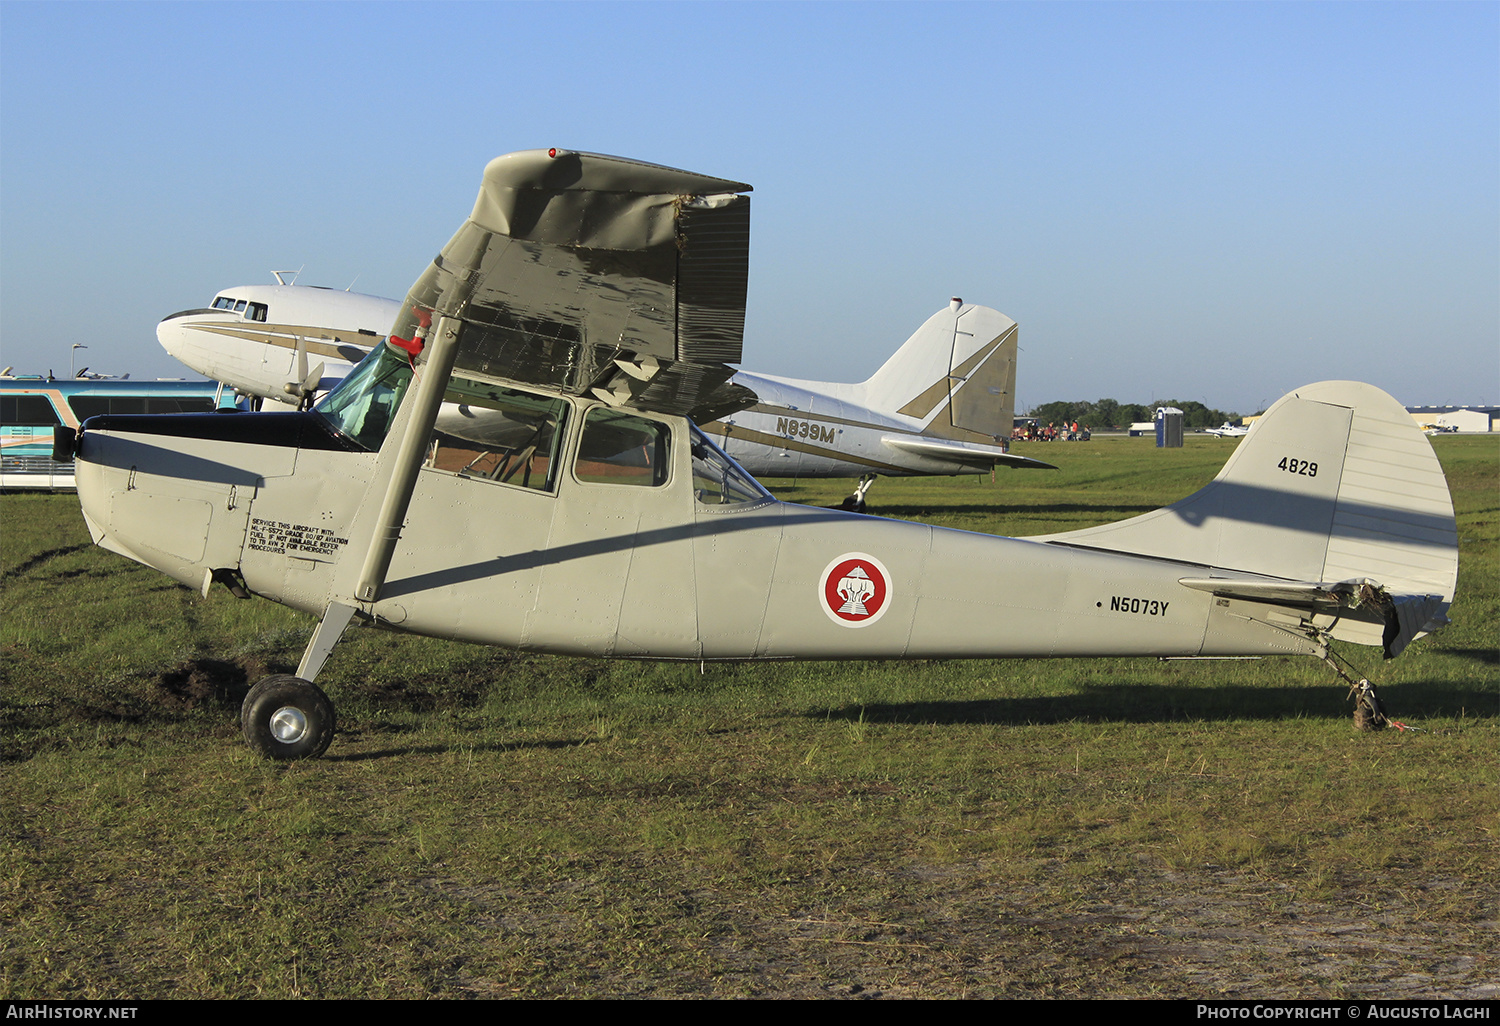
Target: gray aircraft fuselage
(515,464)
(598,568)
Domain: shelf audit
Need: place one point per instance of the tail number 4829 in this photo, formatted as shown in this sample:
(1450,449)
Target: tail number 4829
(1292,465)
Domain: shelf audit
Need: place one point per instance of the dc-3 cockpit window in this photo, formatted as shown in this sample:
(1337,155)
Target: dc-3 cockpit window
(255,312)
(223,303)
(495,433)
(364,404)
(619,448)
(717,479)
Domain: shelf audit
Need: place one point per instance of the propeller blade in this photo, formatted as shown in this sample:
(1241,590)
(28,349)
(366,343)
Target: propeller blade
(309,386)
(301,358)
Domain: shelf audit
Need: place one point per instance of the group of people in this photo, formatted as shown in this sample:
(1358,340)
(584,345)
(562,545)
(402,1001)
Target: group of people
(1031,431)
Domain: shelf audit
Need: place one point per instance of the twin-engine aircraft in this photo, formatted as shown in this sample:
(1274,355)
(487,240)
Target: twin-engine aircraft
(260,339)
(580,323)
(944,404)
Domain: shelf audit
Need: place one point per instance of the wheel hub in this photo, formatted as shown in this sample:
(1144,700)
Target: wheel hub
(289,724)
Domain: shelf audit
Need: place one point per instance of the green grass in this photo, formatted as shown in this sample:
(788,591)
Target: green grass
(494,824)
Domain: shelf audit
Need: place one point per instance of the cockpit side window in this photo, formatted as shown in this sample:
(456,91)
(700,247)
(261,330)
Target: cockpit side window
(493,433)
(256,312)
(619,448)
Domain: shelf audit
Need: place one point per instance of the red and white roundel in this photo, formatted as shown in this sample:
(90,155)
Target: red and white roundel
(855,590)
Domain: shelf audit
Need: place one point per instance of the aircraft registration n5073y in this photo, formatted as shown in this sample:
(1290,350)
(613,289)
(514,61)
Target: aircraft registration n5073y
(590,307)
(942,405)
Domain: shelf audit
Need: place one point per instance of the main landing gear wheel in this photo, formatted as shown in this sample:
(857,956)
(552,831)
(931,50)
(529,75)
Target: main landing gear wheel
(856,502)
(286,717)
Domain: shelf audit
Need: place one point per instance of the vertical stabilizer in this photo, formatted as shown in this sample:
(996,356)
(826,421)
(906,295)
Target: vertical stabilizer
(956,374)
(1336,483)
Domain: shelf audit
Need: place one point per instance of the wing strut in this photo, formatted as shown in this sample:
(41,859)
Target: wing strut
(429,396)
(330,629)
(425,401)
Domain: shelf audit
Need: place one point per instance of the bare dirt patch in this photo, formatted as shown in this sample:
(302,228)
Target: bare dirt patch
(214,683)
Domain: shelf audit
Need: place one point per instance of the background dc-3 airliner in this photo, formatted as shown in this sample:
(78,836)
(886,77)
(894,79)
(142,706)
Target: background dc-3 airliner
(942,405)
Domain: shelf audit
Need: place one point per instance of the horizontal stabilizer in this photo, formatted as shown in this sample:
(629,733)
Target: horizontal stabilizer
(1351,594)
(1404,617)
(959,452)
(1309,594)
(1416,615)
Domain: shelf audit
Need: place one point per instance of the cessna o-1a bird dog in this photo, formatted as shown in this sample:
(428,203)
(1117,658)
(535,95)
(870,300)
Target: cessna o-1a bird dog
(942,405)
(577,325)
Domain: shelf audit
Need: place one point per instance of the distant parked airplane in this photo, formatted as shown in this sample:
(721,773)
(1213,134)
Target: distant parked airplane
(254,337)
(942,405)
(1227,430)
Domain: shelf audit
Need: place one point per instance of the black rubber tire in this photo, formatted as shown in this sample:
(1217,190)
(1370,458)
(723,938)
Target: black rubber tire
(273,694)
(1365,719)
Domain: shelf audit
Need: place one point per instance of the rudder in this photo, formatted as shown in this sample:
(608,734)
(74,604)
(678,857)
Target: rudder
(956,374)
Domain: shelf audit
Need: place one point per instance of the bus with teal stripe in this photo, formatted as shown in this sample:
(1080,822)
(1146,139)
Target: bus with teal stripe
(31,407)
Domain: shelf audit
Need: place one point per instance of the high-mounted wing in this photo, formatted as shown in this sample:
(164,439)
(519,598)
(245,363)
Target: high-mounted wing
(598,275)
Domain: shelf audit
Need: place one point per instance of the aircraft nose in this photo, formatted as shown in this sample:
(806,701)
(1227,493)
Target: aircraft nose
(182,341)
(169,334)
(171,330)
(96,484)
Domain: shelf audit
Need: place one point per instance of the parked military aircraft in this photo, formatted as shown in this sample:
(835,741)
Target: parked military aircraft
(595,304)
(942,405)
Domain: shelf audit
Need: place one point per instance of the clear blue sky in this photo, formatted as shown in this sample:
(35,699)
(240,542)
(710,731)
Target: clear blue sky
(1201,201)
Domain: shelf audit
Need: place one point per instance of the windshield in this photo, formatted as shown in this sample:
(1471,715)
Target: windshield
(717,479)
(364,404)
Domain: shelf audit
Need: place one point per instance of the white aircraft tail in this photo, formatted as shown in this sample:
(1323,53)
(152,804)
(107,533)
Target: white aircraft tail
(1336,490)
(956,374)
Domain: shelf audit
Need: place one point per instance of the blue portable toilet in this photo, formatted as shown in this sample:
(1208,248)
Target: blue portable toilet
(1168,427)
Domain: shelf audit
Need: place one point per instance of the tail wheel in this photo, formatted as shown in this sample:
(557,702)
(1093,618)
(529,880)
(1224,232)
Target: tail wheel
(286,717)
(1369,714)
(1366,718)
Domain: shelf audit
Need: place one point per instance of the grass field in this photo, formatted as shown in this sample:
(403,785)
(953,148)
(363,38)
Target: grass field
(491,824)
